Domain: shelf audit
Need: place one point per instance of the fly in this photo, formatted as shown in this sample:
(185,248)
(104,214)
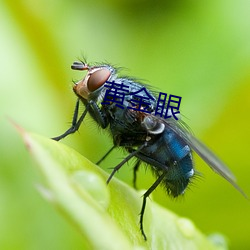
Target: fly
(165,145)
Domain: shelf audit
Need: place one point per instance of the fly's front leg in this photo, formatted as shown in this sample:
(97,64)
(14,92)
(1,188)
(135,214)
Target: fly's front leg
(75,123)
(97,114)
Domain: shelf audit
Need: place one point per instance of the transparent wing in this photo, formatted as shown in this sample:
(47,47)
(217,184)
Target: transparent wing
(206,154)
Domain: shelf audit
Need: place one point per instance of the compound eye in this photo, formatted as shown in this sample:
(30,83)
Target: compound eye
(97,79)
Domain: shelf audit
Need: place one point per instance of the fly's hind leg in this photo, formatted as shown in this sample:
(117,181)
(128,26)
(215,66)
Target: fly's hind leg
(145,196)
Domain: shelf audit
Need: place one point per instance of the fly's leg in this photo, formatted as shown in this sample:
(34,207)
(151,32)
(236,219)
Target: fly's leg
(90,107)
(136,167)
(124,161)
(145,196)
(100,117)
(75,123)
(105,155)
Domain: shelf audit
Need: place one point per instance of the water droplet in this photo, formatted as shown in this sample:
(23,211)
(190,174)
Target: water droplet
(186,226)
(94,185)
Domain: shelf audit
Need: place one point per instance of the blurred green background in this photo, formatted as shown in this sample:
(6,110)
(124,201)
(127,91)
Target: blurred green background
(199,50)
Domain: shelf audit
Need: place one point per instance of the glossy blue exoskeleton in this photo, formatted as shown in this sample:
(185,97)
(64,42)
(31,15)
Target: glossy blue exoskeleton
(163,144)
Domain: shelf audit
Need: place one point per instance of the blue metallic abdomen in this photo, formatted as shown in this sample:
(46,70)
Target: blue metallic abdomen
(168,154)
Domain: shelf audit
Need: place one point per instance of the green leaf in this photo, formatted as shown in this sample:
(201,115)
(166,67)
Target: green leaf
(107,215)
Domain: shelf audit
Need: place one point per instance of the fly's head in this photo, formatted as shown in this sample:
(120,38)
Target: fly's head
(94,79)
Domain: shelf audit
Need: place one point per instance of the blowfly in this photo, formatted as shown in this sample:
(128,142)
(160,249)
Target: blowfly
(128,109)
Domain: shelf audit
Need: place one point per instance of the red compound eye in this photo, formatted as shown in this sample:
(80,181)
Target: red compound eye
(97,79)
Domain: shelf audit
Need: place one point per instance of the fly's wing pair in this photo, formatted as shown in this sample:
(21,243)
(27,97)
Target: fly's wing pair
(206,154)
